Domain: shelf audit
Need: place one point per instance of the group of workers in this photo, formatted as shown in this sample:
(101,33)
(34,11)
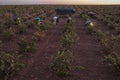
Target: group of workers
(59,11)
(55,19)
(38,20)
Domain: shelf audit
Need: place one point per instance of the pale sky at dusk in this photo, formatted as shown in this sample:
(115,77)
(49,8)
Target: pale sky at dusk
(3,2)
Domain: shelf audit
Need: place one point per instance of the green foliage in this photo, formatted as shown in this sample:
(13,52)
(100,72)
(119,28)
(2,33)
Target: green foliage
(49,24)
(75,37)
(9,64)
(68,29)
(9,34)
(38,35)
(69,39)
(26,45)
(109,44)
(61,63)
(70,23)
(85,17)
(42,27)
(100,35)
(113,60)
(21,28)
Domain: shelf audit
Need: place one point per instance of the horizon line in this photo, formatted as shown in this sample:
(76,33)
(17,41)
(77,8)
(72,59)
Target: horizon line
(63,4)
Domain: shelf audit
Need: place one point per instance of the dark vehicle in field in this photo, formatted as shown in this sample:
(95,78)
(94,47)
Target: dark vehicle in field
(65,11)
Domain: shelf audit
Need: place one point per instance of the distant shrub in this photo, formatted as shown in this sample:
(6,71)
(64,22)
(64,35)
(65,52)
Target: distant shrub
(109,44)
(38,35)
(8,34)
(21,28)
(26,46)
(68,29)
(85,17)
(49,24)
(100,35)
(42,27)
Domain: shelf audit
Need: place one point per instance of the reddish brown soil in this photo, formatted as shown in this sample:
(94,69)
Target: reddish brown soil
(87,53)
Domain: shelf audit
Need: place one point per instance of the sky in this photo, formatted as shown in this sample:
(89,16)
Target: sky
(7,2)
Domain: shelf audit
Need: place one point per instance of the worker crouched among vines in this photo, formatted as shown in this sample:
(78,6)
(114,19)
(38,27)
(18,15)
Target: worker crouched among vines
(37,20)
(69,19)
(17,20)
(55,20)
(89,23)
(90,26)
